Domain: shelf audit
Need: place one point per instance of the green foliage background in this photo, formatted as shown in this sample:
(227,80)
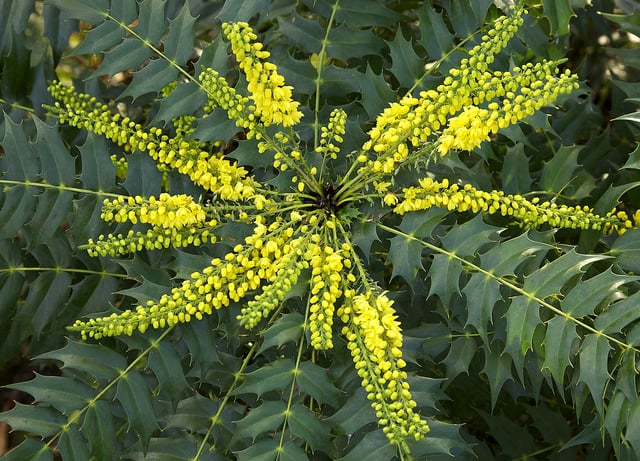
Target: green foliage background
(522,345)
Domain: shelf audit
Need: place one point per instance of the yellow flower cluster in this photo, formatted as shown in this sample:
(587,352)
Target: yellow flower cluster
(230,279)
(331,133)
(122,166)
(153,239)
(286,270)
(327,265)
(528,214)
(164,211)
(221,94)
(213,173)
(452,114)
(272,99)
(375,341)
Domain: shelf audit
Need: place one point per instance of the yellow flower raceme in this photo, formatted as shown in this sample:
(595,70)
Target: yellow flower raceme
(164,211)
(528,214)
(272,99)
(211,172)
(327,265)
(375,341)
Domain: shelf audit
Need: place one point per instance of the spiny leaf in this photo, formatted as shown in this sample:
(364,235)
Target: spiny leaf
(44,421)
(305,34)
(444,274)
(314,381)
(129,54)
(407,66)
(559,338)
(497,368)
(306,425)
(375,14)
(523,317)
(99,361)
(460,355)
(618,315)
(466,15)
(151,17)
(91,11)
(586,296)
(353,414)
(287,328)
(557,173)
(31,449)
(593,370)
(550,279)
(405,256)
(150,79)
(515,171)
(179,42)
(277,375)
(345,43)
(434,34)
(133,393)
(241,10)
(100,38)
(374,445)
(63,393)
(193,412)
(375,92)
(165,364)
(98,427)
(504,258)
(267,417)
(465,240)
(72,444)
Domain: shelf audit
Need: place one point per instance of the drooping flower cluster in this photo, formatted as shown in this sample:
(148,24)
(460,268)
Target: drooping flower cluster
(528,214)
(303,226)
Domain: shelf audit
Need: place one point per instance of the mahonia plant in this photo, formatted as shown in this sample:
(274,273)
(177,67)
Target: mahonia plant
(301,226)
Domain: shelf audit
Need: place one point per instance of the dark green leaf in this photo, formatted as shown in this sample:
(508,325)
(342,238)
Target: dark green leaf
(287,328)
(277,375)
(407,67)
(179,43)
(44,421)
(151,17)
(355,413)
(550,279)
(434,34)
(267,417)
(593,369)
(523,316)
(444,274)
(72,444)
(314,381)
(374,445)
(558,342)
(405,256)
(98,427)
(263,450)
(618,315)
(586,296)
(305,424)
(165,364)
(559,13)
(375,92)
(64,393)
(96,360)
(497,368)
(241,10)
(128,55)
(29,449)
(192,413)
(92,11)
(133,393)
(345,43)
(515,171)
